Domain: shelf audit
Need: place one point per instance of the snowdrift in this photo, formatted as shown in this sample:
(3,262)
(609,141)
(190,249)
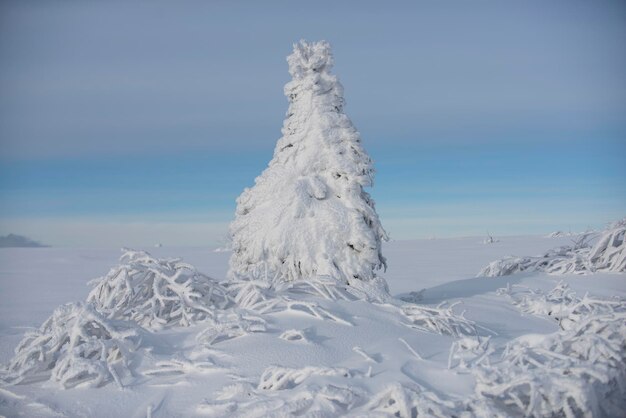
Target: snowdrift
(608,254)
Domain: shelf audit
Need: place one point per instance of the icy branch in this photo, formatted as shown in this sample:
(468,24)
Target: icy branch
(157,293)
(607,255)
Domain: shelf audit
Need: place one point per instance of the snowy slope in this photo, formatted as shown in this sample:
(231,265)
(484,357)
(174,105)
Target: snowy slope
(343,362)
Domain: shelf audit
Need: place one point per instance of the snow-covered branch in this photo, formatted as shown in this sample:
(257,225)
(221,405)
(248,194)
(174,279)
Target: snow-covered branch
(76,345)
(157,293)
(608,254)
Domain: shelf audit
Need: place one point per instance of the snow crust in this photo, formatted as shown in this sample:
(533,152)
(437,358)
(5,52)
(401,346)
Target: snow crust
(308,214)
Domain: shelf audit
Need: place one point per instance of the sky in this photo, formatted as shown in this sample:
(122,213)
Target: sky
(136,123)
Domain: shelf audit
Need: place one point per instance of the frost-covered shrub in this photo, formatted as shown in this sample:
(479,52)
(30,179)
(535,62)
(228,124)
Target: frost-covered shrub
(557,261)
(262,298)
(401,401)
(440,320)
(307,214)
(231,325)
(468,352)
(578,372)
(75,346)
(608,254)
(279,378)
(157,293)
(242,400)
(560,303)
(331,400)
(180,365)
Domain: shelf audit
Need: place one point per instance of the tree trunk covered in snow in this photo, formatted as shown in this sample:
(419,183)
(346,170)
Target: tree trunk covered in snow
(307,213)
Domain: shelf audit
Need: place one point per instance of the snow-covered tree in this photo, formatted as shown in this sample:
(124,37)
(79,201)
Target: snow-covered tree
(307,213)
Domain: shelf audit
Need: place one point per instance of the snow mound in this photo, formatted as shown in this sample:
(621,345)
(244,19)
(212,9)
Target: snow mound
(77,345)
(608,254)
(157,293)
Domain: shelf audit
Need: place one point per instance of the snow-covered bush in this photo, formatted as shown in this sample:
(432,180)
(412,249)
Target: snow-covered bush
(468,352)
(307,214)
(401,401)
(279,378)
(242,400)
(578,372)
(157,293)
(231,325)
(608,254)
(560,303)
(440,319)
(77,345)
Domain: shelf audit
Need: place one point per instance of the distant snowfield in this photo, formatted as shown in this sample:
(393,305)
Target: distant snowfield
(341,365)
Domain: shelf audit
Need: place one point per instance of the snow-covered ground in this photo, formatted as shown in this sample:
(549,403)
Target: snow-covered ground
(356,357)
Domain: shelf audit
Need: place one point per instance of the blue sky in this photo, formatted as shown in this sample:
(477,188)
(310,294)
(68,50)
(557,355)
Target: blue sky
(136,123)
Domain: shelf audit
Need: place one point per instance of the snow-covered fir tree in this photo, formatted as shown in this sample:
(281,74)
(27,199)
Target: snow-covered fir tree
(307,213)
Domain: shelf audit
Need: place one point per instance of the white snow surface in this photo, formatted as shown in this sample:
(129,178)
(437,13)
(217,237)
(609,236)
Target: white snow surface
(307,213)
(311,355)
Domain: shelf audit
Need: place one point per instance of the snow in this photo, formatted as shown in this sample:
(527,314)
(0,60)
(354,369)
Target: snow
(330,355)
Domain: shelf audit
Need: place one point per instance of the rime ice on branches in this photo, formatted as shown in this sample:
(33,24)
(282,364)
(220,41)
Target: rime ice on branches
(307,214)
